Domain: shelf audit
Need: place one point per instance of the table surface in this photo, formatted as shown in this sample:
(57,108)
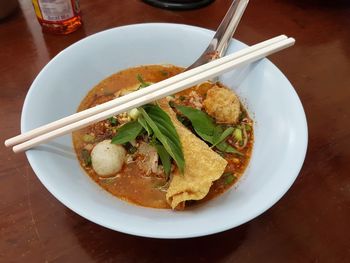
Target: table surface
(311,223)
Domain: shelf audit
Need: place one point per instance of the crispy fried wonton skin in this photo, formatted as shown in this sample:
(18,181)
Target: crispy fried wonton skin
(199,173)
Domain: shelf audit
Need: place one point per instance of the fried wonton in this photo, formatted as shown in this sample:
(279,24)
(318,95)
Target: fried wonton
(203,166)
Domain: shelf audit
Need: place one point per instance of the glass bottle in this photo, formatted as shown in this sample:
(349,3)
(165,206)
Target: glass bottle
(58,16)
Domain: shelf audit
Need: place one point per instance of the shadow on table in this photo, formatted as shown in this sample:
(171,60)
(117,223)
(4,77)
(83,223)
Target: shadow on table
(104,245)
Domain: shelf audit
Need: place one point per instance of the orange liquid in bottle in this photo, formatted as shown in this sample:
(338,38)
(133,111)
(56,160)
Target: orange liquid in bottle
(58,16)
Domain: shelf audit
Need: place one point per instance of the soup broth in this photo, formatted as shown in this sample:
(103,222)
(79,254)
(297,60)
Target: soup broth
(132,183)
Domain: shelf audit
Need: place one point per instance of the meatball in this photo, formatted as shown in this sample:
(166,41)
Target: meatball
(107,158)
(223,105)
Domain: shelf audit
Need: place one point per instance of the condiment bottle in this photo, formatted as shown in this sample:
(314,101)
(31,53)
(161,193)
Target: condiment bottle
(58,16)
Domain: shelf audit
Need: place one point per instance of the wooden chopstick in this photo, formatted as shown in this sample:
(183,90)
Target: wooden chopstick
(142,97)
(113,103)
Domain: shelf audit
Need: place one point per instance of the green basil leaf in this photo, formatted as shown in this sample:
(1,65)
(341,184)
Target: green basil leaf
(164,124)
(165,132)
(207,130)
(201,122)
(145,125)
(127,132)
(223,136)
(164,157)
(218,130)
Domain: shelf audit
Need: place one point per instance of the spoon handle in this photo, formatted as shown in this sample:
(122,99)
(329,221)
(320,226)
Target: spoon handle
(218,45)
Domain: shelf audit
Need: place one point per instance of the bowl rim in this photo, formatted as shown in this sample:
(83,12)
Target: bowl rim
(204,232)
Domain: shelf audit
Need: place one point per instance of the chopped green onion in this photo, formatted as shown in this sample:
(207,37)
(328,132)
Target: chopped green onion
(134,113)
(164,73)
(143,84)
(86,157)
(229,178)
(88,138)
(113,121)
(237,134)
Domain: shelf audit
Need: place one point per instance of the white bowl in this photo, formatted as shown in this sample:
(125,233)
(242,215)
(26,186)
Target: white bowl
(280,130)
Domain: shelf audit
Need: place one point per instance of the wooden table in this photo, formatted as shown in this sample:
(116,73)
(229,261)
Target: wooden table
(311,223)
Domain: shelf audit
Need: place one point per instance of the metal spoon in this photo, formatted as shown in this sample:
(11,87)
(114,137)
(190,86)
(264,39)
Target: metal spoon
(218,45)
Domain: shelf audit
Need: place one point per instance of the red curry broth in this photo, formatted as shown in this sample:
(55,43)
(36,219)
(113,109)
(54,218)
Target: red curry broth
(130,183)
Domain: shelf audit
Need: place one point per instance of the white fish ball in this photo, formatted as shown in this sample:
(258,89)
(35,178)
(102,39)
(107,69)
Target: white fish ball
(107,158)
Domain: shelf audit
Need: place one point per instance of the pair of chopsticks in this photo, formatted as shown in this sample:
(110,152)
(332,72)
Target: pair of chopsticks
(154,92)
